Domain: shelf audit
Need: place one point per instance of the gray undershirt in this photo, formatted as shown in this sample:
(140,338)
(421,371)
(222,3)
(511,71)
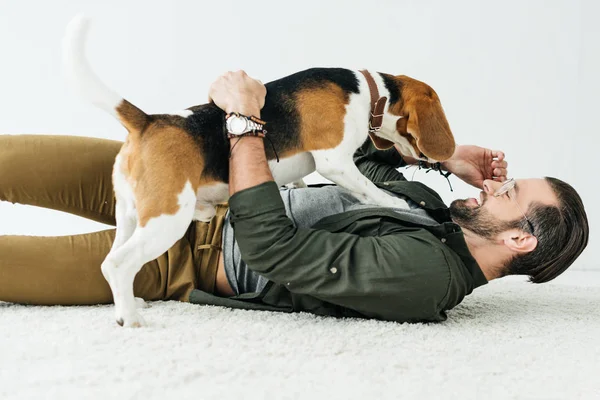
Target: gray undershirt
(305,207)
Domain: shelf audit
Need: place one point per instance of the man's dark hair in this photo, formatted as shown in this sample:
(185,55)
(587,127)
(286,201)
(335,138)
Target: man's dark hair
(562,233)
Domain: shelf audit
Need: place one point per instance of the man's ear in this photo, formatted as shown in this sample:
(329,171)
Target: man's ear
(519,241)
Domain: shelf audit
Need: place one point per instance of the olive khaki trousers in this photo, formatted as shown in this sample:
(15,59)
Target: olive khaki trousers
(73,174)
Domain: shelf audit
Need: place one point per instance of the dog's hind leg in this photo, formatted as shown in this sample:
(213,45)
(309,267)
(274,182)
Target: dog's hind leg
(207,196)
(125,212)
(152,237)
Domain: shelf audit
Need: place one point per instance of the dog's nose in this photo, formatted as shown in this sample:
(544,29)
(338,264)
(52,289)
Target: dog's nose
(120,321)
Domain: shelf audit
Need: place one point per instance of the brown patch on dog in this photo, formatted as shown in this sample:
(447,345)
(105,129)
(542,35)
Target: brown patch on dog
(424,119)
(322,112)
(158,166)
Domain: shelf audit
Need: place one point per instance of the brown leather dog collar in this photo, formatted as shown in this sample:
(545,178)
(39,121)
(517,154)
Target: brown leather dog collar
(376,118)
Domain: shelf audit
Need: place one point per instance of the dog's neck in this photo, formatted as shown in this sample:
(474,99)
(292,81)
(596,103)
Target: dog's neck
(388,126)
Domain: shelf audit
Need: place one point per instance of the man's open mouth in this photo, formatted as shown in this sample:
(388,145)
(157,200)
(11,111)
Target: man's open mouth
(477,202)
(481,199)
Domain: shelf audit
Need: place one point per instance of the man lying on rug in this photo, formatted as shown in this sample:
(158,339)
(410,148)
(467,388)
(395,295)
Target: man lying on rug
(314,249)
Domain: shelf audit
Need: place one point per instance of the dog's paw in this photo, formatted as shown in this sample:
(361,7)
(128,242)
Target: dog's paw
(126,312)
(299,184)
(130,320)
(140,303)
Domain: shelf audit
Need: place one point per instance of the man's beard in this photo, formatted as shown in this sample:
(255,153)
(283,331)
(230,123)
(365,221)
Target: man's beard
(478,220)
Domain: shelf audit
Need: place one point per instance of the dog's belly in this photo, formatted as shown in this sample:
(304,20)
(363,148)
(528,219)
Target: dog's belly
(287,170)
(293,168)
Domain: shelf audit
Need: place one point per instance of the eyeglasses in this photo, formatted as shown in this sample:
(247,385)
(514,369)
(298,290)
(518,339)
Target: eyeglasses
(505,188)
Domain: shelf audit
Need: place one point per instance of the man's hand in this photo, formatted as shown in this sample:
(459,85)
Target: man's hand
(473,164)
(237,92)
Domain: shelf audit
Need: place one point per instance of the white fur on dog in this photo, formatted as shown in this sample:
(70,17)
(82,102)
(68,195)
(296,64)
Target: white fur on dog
(292,168)
(207,197)
(182,113)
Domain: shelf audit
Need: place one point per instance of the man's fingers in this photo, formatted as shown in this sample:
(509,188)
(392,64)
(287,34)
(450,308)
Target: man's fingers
(498,155)
(499,172)
(499,164)
(236,91)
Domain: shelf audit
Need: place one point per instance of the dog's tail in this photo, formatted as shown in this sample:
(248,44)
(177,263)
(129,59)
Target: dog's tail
(88,85)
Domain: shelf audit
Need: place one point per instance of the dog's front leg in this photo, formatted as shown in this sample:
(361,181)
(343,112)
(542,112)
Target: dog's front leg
(339,168)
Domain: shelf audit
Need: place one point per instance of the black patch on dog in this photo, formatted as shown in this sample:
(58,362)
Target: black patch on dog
(314,78)
(207,124)
(207,127)
(393,86)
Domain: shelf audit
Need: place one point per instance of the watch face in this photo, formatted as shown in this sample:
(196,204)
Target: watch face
(237,125)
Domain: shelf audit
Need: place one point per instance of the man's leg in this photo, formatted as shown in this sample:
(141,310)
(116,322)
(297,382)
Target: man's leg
(73,174)
(65,270)
(66,173)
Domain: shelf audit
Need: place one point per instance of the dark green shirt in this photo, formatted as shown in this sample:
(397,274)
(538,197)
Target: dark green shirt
(369,263)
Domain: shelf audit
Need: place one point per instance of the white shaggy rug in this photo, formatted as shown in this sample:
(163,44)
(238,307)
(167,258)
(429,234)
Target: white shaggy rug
(510,340)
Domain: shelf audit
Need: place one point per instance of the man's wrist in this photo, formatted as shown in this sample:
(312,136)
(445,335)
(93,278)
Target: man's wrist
(246,109)
(443,165)
(253,141)
(248,161)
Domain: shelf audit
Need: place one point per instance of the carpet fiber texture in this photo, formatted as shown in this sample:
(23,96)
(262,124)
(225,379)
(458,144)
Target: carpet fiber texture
(509,340)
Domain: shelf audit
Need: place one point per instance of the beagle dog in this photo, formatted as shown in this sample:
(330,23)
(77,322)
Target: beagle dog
(173,168)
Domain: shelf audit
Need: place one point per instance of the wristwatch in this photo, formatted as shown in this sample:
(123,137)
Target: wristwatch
(238,124)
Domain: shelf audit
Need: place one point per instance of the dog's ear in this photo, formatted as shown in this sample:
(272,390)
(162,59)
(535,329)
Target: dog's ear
(427,124)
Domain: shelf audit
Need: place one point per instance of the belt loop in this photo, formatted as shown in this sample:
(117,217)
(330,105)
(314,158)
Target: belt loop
(207,248)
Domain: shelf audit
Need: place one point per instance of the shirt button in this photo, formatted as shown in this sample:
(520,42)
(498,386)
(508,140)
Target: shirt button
(443,240)
(386,183)
(422,204)
(333,270)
